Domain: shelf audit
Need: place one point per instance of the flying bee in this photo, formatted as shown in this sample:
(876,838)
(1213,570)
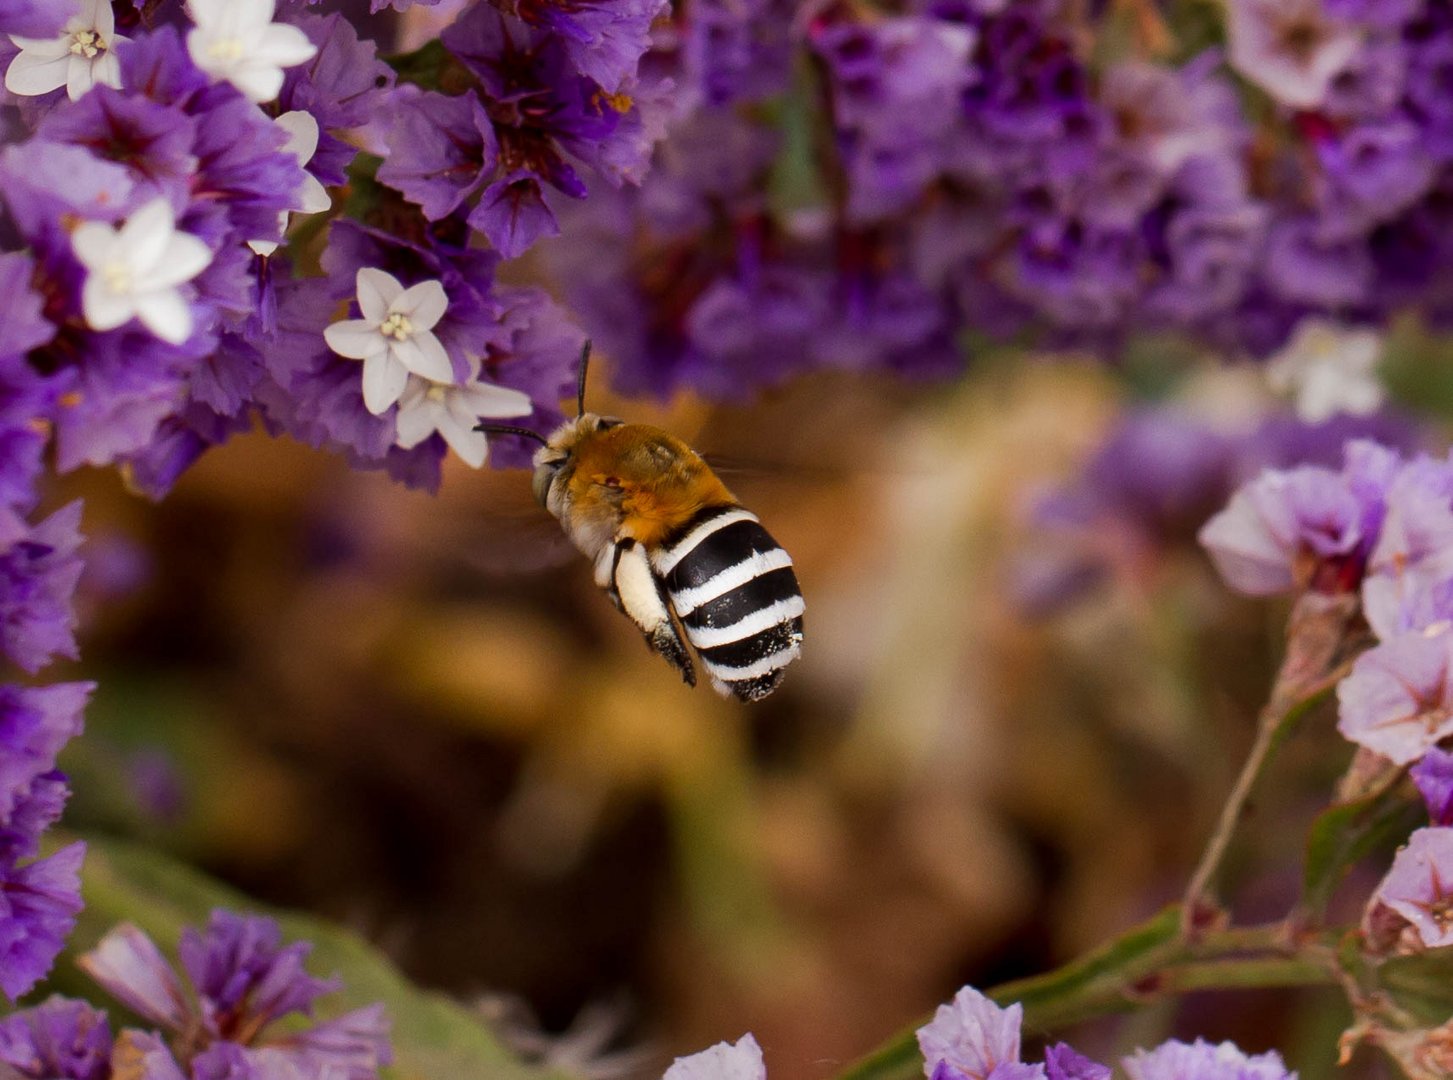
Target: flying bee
(672,547)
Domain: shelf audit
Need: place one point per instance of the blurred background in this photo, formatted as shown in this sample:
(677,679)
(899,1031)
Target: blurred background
(1023,696)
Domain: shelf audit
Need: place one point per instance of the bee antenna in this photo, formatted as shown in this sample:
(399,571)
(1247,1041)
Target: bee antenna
(507,429)
(580,384)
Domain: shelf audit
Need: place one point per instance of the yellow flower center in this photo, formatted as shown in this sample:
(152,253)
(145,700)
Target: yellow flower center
(117,277)
(87,43)
(225,49)
(437,392)
(397,326)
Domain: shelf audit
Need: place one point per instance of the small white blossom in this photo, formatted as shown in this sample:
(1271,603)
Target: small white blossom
(1292,49)
(741,1060)
(453,410)
(395,336)
(1328,369)
(134,271)
(312,198)
(78,59)
(237,40)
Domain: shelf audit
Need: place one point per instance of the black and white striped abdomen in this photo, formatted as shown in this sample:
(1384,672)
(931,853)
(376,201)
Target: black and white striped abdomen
(733,589)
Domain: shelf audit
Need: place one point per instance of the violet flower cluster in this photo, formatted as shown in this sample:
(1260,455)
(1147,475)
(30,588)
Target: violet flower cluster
(152,161)
(1379,528)
(972,1038)
(217,1022)
(848,189)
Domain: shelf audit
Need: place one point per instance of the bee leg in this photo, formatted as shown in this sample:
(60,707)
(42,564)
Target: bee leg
(642,598)
(605,572)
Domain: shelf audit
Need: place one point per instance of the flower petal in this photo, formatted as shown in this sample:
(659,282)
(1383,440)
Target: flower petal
(423,354)
(102,308)
(31,75)
(284,46)
(132,969)
(498,402)
(377,290)
(417,419)
(424,304)
(313,197)
(384,379)
(94,243)
(471,446)
(185,257)
(106,70)
(144,238)
(357,339)
(257,82)
(165,314)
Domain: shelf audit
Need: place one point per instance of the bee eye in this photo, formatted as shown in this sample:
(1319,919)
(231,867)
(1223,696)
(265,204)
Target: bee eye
(607,422)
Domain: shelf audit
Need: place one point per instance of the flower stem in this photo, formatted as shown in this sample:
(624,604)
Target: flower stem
(1317,635)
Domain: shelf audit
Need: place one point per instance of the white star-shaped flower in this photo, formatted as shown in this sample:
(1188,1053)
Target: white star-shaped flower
(312,198)
(1292,49)
(133,272)
(1328,369)
(237,40)
(395,336)
(78,59)
(453,410)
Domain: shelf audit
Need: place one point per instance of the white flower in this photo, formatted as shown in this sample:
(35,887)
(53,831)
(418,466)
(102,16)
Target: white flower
(312,197)
(77,60)
(394,337)
(741,1060)
(134,271)
(453,410)
(237,40)
(1292,49)
(1328,369)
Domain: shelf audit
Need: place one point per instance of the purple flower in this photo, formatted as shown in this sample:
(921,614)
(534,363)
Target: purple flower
(343,86)
(441,150)
(59,1039)
(1062,1062)
(38,574)
(36,18)
(741,1060)
(244,979)
(605,39)
(738,50)
(1398,698)
(1433,774)
(1419,886)
(1281,530)
(1413,557)
(35,722)
(38,905)
(1200,1060)
(972,1039)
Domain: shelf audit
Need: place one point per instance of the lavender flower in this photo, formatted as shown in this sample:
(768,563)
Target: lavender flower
(39,901)
(1398,699)
(38,574)
(36,18)
(1281,528)
(1433,774)
(1063,1062)
(741,1060)
(1201,1060)
(244,980)
(60,1039)
(604,39)
(1419,886)
(974,1039)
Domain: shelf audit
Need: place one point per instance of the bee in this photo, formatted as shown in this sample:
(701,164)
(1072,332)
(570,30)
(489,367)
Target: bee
(672,547)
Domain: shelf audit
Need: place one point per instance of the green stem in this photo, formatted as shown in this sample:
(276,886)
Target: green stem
(1147,962)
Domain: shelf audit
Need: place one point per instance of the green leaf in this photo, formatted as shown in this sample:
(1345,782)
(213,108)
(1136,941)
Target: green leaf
(434,1037)
(1421,984)
(1345,834)
(430,66)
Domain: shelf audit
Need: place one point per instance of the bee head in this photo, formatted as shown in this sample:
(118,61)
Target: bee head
(556,458)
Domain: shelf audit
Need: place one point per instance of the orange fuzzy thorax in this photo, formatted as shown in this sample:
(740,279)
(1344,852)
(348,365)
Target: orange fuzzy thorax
(647,477)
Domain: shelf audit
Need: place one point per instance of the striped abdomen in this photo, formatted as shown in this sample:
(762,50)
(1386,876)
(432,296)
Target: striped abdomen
(733,589)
